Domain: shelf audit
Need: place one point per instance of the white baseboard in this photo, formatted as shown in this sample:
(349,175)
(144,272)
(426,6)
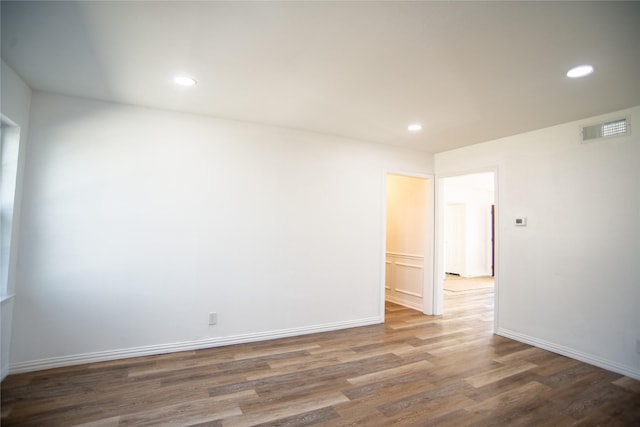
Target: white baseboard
(102,356)
(4,371)
(404,303)
(574,354)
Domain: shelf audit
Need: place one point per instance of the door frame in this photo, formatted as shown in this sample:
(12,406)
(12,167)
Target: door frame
(439,273)
(427,281)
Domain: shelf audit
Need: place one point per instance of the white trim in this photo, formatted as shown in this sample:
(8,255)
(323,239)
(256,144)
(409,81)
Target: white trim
(569,352)
(402,291)
(5,298)
(404,303)
(437,293)
(383,286)
(401,255)
(387,264)
(6,121)
(417,267)
(496,250)
(430,249)
(402,264)
(101,356)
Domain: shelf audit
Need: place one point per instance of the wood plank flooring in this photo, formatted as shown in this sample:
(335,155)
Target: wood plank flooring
(415,370)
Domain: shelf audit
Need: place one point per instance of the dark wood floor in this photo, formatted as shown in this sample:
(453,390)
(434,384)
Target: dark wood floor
(414,370)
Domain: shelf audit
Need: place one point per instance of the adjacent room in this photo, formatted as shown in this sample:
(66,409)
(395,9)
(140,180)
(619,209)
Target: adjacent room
(469,231)
(253,213)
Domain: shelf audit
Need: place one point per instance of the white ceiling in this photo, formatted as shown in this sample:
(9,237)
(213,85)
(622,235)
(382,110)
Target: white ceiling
(468,71)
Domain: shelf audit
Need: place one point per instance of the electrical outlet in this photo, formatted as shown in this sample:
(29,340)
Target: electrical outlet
(213,318)
(638,346)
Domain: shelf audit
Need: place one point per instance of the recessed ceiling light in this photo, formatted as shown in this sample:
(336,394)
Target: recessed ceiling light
(184,81)
(414,127)
(580,71)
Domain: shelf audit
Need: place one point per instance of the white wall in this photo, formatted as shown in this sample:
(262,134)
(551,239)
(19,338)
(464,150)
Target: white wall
(137,223)
(569,280)
(407,204)
(15,98)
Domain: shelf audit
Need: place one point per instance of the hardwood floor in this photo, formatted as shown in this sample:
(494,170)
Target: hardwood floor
(415,370)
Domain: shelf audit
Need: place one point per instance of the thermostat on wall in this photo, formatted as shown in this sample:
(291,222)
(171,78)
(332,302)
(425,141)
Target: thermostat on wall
(521,221)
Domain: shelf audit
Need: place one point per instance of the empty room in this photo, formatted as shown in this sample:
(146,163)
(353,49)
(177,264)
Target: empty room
(240,213)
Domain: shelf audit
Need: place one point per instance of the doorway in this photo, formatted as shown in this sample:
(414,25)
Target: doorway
(465,228)
(409,240)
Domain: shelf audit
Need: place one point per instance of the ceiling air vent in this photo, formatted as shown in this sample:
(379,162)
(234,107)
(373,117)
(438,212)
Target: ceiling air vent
(608,129)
